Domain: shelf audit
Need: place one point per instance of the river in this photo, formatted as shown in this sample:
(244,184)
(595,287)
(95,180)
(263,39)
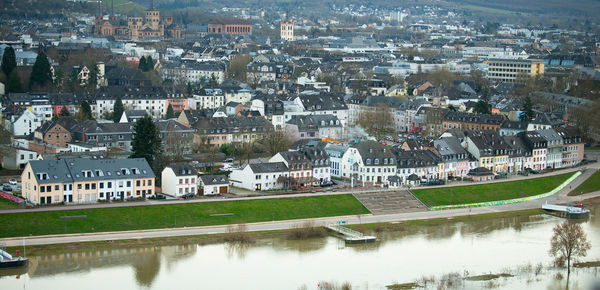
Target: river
(513,245)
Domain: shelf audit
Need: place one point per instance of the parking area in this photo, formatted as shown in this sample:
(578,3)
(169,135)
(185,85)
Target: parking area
(387,202)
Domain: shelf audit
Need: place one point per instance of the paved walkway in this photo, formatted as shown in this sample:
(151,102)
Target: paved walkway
(221,199)
(560,197)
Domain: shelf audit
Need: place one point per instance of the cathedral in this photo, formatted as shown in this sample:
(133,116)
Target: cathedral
(150,26)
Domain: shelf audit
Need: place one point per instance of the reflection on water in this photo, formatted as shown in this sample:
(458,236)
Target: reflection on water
(474,246)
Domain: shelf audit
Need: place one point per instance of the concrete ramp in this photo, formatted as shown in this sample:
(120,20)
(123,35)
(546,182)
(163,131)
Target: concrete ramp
(388,202)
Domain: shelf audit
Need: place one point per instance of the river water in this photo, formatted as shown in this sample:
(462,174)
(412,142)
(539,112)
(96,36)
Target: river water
(513,245)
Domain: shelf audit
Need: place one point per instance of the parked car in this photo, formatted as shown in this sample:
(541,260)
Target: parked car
(7,187)
(228,160)
(13,182)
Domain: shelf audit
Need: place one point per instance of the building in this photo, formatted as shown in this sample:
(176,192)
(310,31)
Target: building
(207,98)
(538,147)
(219,131)
(286,30)
(421,163)
(81,180)
(514,70)
(554,143)
(572,150)
(368,162)
(149,26)
(213,184)
(261,176)
(182,73)
(230,26)
(314,126)
(467,121)
(179,179)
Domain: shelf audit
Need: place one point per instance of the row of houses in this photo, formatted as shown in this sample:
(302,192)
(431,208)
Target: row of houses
(475,154)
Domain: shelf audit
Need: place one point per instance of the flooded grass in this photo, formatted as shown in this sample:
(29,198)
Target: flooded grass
(487,277)
(590,264)
(307,230)
(404,286)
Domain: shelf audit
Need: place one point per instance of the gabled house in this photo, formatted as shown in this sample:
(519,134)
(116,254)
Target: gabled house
(179,179)
(214,184)
(572,149)
(554,143)
(538,146)
(300,167)
(261,176)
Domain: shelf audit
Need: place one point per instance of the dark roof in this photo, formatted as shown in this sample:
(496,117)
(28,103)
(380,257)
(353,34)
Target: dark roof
(71,170)
(480,171)
(269,167)
(473,118)
(230,21)
(214,179)
(375,151)
(182,168)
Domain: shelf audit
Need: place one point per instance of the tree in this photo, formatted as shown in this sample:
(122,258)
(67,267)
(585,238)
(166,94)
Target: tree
(527,114)
(482,107)
(64,112)
(40,76)
(9,61)
(92,81)
(142,64)
(238,67)
(13,82)
(149,64)
(377,122)
(85,112)
(568,242)
(117,110)
(276,141)
(170,112)
(146,142)
(213,81)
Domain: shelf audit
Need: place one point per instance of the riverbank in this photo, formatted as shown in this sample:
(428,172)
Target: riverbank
(177,215)
(489,192)
(257,235)
(589,185)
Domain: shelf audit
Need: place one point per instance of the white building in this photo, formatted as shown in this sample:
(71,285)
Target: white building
(23,124)
(287,30)
(262,176)
(207,99)
(368,162)
(214,184)
(179,179)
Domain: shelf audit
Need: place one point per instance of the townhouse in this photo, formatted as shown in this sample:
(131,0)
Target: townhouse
(572,146)
(193,72)
(423,164)
(489,149)
(554,143)
(519,157)
(207,98)
(81,180)
(468,121)
(153,100)
(538,147)
(299,165)
(454,157)
(314,126)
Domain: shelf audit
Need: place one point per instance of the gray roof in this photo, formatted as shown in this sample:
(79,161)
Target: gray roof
(373,150)
(182,168)
(214,179)
(71,170)
(549,135)
(268,167)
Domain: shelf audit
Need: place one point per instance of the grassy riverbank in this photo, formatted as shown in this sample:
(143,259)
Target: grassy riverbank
(489,192)
(178,215)
(6,204)
(590,185)
(252,236)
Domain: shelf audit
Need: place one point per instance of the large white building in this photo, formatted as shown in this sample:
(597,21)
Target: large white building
(287,30)
(510,70)
(368,162)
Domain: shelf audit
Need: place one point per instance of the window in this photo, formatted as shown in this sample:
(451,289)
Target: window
(93,186)
(149,182)
(137,182)
(57,187)
(109,184)
(128,183)
(101,185)
(87,186)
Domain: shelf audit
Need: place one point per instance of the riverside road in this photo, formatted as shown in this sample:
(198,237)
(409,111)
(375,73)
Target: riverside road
(560,197)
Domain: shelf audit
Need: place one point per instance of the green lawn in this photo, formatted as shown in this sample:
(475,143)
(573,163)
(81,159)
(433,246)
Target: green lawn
(178,215)
(489,192)
(592,148)
(6,204)
(591,184)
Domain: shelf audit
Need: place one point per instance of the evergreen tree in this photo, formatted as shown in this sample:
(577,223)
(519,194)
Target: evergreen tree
(213,81)
(40,72)
(13,82)
(188,90)
(85,111)
(482,107)
(146,142)
(142,65)
(117,110)
(9,61)
(527,114)
(149,63)
(64,112)
(170,112)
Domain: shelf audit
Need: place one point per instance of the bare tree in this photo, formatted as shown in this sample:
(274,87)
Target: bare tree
(568,243)
(276,141)
(377,122)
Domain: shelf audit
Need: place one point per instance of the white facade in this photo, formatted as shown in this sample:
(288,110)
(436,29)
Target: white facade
(241,96)
(198,102)
(24,124)
(287,31)
(248,179)
(178,185)
(156,108)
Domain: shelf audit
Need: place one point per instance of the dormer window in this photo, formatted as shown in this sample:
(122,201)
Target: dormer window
(99,172)
(135,171)
(368,161)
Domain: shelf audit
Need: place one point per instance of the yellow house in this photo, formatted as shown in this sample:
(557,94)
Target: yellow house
(84,180)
